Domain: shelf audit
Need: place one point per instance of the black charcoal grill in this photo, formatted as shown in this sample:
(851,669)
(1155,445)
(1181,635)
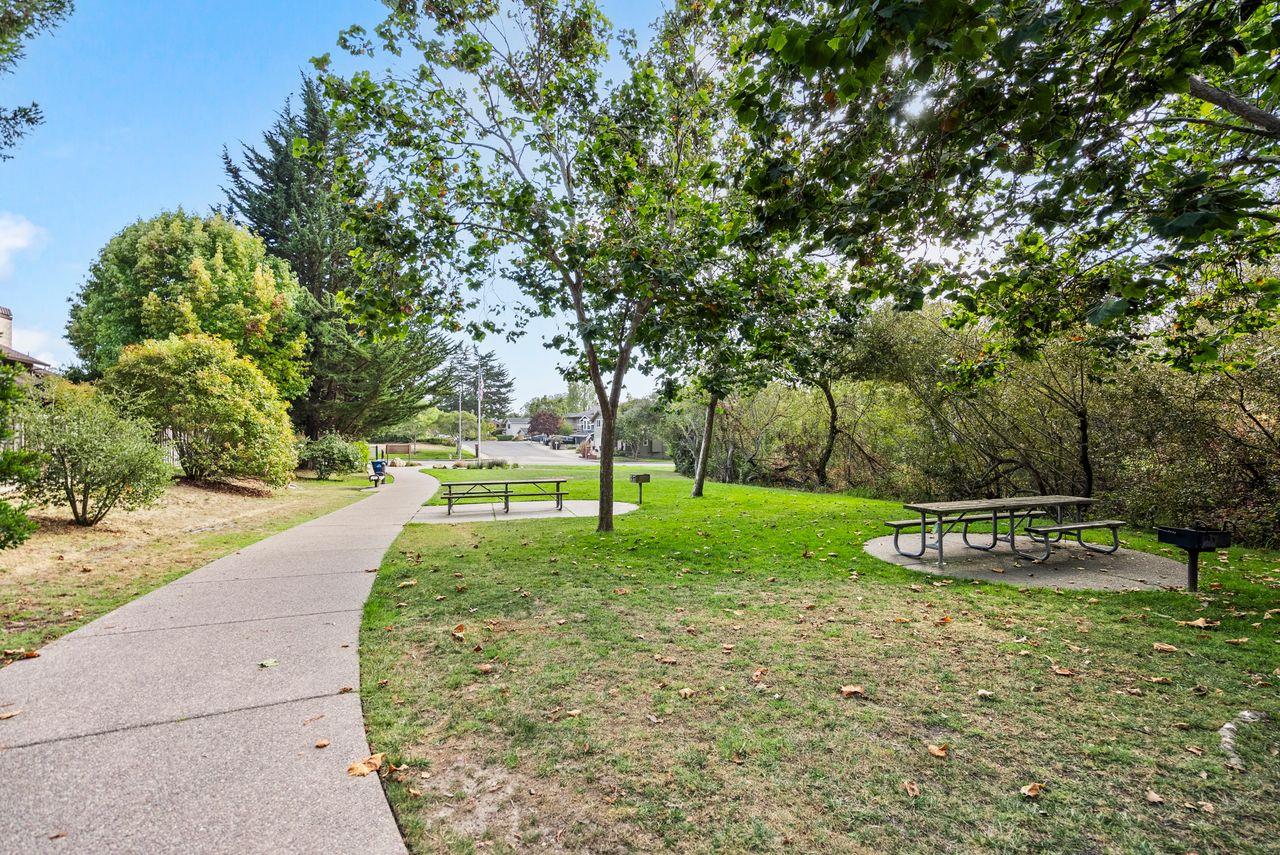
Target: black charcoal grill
(1194,539)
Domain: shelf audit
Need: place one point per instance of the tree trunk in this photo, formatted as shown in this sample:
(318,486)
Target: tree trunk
(604,521)
(704,450)
(825,457)
(1086,459)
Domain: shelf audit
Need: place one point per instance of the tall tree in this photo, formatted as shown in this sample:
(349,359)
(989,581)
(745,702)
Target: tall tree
(1139,141)
(285,193)
(177,274)
(463,374)
(21,20)
(498,143)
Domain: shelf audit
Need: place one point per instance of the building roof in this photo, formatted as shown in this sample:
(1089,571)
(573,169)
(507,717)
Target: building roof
(592,413)
(8,354)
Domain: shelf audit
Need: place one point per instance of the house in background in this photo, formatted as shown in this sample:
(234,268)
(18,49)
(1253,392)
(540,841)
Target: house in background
(587,424)
(515,426)
(9,356)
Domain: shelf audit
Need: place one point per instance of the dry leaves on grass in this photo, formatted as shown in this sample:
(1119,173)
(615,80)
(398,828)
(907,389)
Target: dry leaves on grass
(407,583)
(1063,672)
(853,691)
(912,788)
(1154,798)
(940,751)
(368,765)
(1161,647)
(485,668)
(1032,790)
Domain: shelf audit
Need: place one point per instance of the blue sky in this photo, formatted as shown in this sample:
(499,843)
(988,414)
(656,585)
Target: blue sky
(139,99)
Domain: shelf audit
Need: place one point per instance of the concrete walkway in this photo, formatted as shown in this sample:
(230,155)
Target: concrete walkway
(157,728)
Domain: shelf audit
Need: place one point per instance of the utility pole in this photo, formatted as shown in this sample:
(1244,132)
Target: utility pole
(479,399)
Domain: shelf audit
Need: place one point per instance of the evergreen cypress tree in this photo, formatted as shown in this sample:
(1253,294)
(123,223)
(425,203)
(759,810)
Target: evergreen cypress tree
(360,382)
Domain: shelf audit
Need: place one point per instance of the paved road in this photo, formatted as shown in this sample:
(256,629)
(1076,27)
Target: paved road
(537,454)
(155,728)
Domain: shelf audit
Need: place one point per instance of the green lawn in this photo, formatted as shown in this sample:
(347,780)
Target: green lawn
(677,685)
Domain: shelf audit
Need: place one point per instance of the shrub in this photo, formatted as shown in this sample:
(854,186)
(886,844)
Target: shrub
(363,448)
(331,455)
(94,459)
(223,416)
(17,467)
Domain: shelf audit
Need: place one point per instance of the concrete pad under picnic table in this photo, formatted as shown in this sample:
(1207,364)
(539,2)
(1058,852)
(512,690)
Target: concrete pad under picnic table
(493,512)
(1070,566)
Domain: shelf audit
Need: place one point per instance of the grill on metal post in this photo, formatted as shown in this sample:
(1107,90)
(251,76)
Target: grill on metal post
(1194,539)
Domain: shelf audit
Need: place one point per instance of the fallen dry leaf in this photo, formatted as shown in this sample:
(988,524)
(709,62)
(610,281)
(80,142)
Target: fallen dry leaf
(985,694)
(9,714)
(1161,647)
(686,692)
(1063,672)
(361,768)
(1207,807)
(322,743)
(912,788)
(1199,623)
(485,668)
(1162,681)
(758,674)
(854,691)
(1154,798)
(940,750)
(1032,790)
(1237,641)
(407,583)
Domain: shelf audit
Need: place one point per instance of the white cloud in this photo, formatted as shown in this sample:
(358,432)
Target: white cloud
(16,234)
(45,346)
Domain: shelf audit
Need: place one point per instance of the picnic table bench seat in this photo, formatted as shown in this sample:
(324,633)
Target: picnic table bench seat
(1077,529)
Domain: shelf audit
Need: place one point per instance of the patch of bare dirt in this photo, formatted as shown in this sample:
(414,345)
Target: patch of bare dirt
(463,797)
(186,509)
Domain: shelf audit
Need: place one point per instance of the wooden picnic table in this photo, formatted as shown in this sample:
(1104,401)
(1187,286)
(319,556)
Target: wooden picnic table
(456,492)
(942,517)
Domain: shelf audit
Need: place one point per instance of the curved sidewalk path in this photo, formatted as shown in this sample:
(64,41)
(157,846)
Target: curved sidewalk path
(156,729)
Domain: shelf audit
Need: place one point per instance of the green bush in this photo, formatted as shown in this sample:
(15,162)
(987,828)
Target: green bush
(330,455)
(17,466)
(363,448)
(223,416)
(94,459)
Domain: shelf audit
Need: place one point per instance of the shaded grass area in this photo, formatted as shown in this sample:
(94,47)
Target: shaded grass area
(677,685)
(66,576)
